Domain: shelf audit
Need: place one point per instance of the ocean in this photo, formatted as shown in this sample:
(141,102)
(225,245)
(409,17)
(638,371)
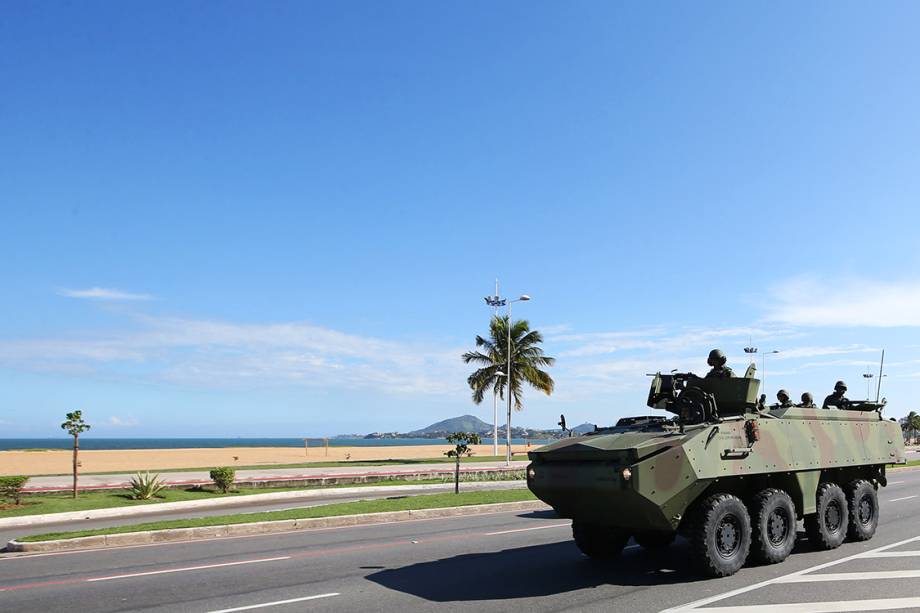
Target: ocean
(88,442)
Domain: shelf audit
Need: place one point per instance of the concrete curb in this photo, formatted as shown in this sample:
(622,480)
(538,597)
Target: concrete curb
(165,507)
(268,527)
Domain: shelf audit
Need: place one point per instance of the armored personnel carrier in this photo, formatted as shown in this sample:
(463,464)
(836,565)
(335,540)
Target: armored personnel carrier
(728,473)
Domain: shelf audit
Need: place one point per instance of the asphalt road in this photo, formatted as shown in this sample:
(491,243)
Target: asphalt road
(499,562)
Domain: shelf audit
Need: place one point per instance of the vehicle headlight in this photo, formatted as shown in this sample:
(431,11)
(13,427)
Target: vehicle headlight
(531,473)
(627,474)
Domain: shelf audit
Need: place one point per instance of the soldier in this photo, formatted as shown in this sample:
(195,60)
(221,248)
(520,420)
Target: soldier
(808,401)
(837,399)
(719,370)
(784,401)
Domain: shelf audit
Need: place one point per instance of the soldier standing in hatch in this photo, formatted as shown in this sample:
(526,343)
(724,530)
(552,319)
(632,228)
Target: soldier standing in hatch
(719,370)
(837,399)
(808,401)
(783,397)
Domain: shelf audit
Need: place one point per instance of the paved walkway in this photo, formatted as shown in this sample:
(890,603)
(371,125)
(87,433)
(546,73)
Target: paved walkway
(268,474)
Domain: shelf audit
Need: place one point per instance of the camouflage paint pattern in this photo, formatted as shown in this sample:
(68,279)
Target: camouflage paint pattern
(789,448)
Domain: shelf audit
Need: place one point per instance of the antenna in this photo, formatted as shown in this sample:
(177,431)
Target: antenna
(881,366)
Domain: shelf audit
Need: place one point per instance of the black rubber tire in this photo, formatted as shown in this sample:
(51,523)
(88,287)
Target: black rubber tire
(655,540)
(772,526)
(720,535)
(599,542)
(827,528)
(862,501)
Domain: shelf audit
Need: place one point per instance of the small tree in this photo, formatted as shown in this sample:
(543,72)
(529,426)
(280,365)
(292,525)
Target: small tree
(75,426)
(461,442)
(223,477)
(11,488)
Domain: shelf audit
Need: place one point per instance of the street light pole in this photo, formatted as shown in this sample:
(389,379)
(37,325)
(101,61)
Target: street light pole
(868,376)
(523,298)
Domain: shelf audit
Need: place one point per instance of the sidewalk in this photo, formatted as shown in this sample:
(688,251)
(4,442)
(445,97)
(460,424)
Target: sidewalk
(319,476)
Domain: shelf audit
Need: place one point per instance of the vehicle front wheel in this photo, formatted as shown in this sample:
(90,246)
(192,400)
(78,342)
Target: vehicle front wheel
(720,537)
(827,528)
(862,500)
(772,526)
(599,542)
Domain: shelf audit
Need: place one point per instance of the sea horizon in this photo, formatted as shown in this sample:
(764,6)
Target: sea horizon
(216,442)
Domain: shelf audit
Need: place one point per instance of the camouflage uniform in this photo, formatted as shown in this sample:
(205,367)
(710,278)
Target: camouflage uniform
(719,370)
(837,399)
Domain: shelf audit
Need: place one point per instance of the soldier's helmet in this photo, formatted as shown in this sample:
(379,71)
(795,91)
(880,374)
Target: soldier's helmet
(716,358)
(840,386)
(807,398)
(782,395)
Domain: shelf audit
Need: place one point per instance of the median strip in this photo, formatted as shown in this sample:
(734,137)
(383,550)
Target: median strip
(327,516)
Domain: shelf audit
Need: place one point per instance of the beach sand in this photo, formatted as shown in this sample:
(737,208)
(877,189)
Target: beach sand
(58,461)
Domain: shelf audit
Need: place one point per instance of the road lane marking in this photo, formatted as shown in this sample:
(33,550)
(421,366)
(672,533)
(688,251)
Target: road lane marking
(882,604)
(892,554)
(900,499)
(186,569)
(565,525)
(895,482)
(868,575)
(756,586)
(276,603)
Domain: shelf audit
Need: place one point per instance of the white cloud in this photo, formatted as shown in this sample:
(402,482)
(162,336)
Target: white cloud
(812,352)
(233,355)
(807,301)
(102,293)
(122,422)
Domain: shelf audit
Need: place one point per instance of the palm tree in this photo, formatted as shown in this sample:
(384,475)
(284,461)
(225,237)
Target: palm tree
(911,425)
(526,365)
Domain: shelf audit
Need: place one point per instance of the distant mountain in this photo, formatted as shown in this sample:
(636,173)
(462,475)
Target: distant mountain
(584,428)
(471,423)
(464,423)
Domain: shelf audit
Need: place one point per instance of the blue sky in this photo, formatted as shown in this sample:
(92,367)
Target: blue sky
(281,218)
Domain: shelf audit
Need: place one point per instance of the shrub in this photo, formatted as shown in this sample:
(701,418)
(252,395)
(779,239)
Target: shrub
(223,478)
(11,488)
(145,486)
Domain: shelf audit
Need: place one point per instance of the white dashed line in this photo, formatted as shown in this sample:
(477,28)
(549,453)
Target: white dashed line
(900,499)
(186,569)
(276,603)
(565,525)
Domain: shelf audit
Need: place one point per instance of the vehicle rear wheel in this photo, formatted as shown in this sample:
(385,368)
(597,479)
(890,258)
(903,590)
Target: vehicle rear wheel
(599,542)
(772,526)
(720,536)
(827,528)
(862,501)
(655,540)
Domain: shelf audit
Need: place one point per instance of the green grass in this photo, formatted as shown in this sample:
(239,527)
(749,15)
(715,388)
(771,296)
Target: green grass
(63,502)
(910,463)
(430,501)
(346,463)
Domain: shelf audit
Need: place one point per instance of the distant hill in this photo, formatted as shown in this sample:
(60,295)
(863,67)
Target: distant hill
(584,428)
(464,423)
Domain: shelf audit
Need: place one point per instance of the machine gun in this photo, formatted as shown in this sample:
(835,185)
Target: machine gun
(698,400)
